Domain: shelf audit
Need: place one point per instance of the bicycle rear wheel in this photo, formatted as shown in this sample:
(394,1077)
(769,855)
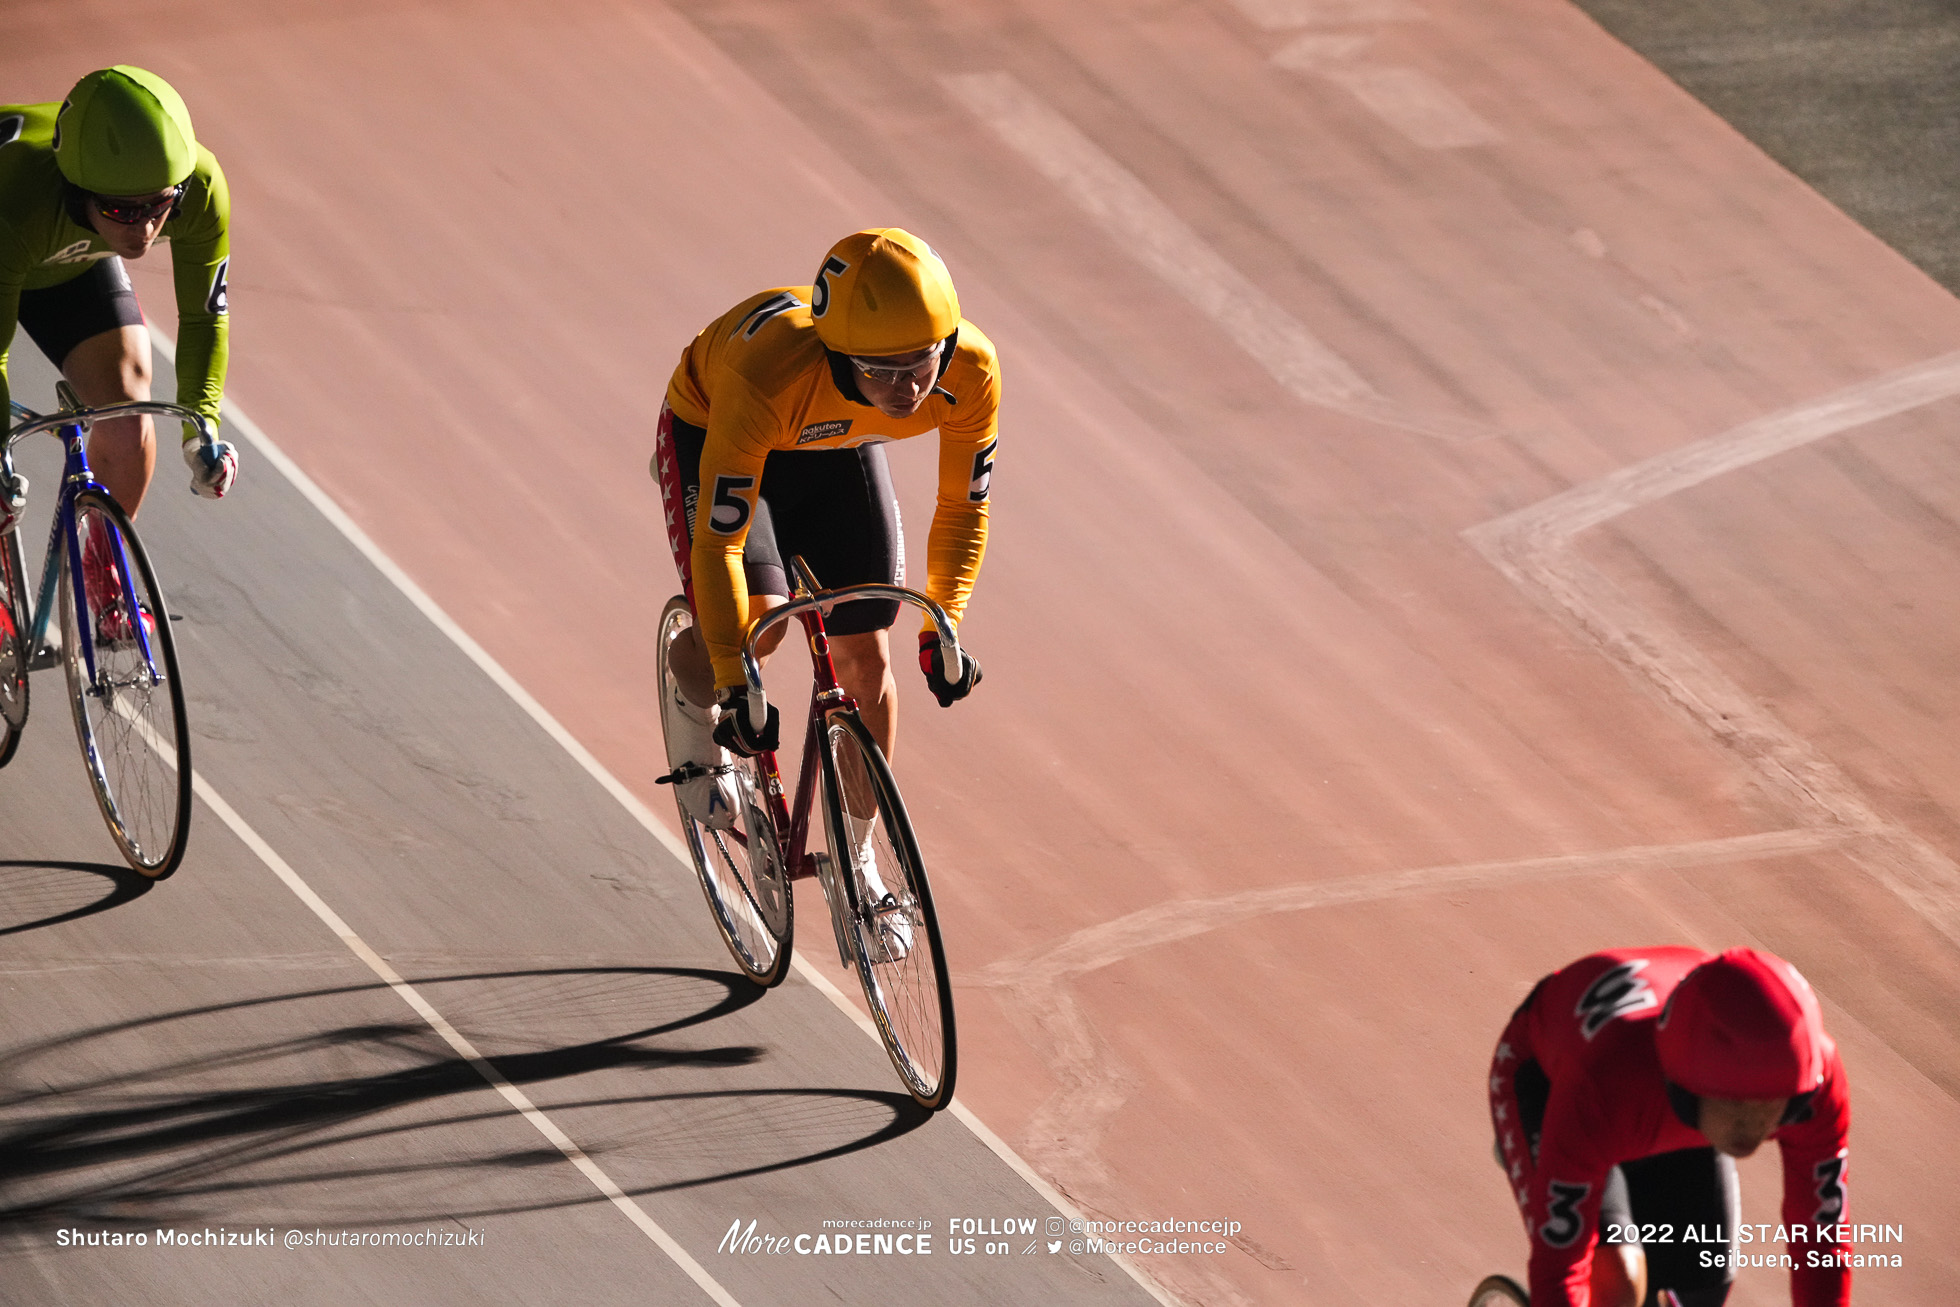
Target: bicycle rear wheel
(129,717)
(894,936)
(741,867)
(1499,1291)
(14,652)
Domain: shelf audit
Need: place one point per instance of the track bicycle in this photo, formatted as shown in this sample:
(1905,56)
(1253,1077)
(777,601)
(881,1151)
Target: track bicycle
(1499,1291)
(871,874)
(114,641)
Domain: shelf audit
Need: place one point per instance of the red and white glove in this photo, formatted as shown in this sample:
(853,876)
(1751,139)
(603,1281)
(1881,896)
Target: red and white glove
(932,661)
(214,466)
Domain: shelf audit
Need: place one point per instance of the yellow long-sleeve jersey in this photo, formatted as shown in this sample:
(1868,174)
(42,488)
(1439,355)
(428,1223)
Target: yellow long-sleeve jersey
(757,379)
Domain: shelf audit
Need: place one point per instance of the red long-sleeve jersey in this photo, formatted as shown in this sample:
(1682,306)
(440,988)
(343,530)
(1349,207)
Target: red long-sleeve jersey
(1590,1030)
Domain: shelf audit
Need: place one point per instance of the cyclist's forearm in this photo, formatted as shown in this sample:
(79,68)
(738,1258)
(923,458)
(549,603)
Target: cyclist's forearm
(203,353)
(721,602)
(9,308)
(954,548)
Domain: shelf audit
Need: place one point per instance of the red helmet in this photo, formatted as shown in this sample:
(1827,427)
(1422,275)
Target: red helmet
(1742,1025)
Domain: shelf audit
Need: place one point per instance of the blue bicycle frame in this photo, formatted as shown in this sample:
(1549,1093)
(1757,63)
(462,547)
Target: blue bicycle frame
(75,478)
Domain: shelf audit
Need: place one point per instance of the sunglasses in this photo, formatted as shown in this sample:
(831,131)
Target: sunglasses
(881,370)
(131,213)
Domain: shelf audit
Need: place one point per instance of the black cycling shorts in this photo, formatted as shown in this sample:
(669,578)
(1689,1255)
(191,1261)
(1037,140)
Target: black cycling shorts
(1658,1200)
(835,507)
(60,317)
(1655,1202)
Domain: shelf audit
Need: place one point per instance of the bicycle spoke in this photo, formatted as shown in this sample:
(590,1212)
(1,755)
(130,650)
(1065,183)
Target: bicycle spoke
(14,653)
(895,934)
(129,716)
(739,866)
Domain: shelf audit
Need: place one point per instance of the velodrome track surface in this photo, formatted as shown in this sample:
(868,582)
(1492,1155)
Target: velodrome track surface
(1460,506)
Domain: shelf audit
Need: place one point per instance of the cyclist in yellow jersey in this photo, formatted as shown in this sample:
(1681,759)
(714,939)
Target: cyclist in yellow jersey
(768,447)
(85,184)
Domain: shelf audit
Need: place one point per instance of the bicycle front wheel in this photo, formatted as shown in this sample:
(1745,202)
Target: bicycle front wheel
(893,935)
(1498,1291)
(740,864)
(14,652)
(129,707)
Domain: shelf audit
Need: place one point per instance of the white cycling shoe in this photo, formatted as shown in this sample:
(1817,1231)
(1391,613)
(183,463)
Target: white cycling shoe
(710,796)
(888,936)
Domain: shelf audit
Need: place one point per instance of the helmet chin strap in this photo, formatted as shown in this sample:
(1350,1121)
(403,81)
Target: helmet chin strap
(75,200)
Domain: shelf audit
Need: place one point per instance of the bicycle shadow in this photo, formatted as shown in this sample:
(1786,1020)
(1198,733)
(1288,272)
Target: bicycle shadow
(144,1145)
(23,893)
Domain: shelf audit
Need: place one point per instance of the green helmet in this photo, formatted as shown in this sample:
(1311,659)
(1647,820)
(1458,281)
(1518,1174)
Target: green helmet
(123,131)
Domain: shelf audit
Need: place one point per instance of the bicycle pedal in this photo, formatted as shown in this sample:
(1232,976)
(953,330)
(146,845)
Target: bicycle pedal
(687,771)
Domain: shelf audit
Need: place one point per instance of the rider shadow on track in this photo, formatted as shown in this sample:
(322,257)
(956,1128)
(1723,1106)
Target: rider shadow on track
(37,894)
(256,1112)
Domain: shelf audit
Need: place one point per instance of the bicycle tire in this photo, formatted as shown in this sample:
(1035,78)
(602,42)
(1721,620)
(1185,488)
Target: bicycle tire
(14,652)
(910,994)
(740,868)
(136,750)
(1499,1291)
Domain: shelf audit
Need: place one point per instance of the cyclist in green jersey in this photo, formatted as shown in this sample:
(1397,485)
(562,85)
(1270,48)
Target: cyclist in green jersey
(85,184)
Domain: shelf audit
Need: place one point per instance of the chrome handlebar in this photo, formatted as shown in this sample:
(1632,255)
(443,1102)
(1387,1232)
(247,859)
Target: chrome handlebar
(13,486)
(757,707)
(87,417)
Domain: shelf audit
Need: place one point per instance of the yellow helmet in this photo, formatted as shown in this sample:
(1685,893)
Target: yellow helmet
(881,292)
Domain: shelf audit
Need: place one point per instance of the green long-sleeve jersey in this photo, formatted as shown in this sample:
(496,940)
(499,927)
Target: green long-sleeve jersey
(41,245)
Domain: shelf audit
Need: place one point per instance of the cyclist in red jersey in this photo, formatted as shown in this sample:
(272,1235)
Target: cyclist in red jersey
(1621,1091)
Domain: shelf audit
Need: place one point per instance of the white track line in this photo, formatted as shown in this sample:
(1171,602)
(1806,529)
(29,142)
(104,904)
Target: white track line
(1279,15)
(1093,1084)
(359,947)
(313,494)
(1535,547)
(998,1146)
(1147,230)
(1556,520)
(1095,947)
(516,1097)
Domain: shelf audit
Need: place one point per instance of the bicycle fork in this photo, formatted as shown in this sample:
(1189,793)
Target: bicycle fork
(808,862)
(66,532)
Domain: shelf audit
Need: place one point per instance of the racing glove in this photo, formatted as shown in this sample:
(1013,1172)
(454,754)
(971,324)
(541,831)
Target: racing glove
(732,731)
(214,466)
(932,661)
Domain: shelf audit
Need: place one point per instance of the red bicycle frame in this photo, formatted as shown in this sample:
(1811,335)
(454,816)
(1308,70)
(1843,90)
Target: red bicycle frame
(826,695)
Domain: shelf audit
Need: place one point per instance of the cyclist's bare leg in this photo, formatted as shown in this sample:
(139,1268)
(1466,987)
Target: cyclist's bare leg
(111,368)
(1619,1275)
(689,654)
(864,669)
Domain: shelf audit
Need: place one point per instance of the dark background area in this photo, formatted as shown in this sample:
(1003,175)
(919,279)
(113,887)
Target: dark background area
(1860,98)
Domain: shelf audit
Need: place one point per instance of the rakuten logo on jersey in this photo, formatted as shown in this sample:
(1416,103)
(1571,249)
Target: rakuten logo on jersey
(823,431)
